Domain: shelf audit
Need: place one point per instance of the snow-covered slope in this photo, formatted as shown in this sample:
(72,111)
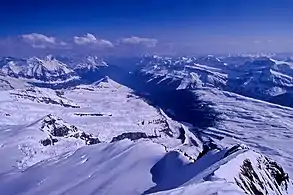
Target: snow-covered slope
(90,68)
(90,63)
(38,123)
(145,167)
(118,168)
(7,83)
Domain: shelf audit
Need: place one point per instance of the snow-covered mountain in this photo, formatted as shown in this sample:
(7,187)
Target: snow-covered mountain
(91,63)
(259,77)
(182,133)
(185,71)
(48,69)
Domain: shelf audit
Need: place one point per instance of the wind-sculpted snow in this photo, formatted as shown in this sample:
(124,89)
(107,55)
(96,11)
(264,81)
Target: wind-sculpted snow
(118,168)
(265,127)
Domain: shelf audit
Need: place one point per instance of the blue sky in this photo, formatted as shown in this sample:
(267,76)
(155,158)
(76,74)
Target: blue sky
(178,26)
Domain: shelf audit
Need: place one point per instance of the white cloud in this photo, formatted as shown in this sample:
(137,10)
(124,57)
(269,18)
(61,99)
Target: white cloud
(90,39)
(148,42)
(41,41)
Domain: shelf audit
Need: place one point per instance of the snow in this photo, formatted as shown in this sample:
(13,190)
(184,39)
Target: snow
(40,69)
(110,109)
(266,128)
(12,83)
(90,63)
(207,188)
(161,162)
(119,168)
(254,76)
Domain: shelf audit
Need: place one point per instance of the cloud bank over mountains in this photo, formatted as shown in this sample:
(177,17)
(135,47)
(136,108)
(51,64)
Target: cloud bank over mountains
(90,39)
(35,44)
(38,44)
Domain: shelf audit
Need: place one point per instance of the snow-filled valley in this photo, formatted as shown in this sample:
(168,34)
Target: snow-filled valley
(104,137)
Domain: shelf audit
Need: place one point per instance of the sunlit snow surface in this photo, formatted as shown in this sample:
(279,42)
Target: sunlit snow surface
(108,109)
(265,127)
(161,165)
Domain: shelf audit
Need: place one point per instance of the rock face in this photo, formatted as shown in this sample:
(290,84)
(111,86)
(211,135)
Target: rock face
(56,128)
(133,136)
(253,172)
(267,176)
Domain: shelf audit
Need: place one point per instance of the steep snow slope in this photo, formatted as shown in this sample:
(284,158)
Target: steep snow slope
(219,172)
(265,127)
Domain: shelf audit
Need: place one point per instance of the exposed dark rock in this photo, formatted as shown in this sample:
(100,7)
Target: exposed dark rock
(278,173)
(46,100)
(6,83)
(88,114)
(253,179)
(182,136)
(89,139)
(193,142)
(234,149)
(59,93)
(259,179)
(49,141)
(57,128)
(133,136)
(206,148)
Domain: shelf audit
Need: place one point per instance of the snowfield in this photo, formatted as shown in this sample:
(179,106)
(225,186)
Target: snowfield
(118,168)
(103,138)
(105,109)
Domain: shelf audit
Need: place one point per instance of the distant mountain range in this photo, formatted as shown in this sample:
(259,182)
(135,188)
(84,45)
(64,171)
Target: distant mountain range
(50,69)
(259,77)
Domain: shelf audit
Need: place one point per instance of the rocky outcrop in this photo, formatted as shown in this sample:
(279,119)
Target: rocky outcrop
(133,136)
(264,179)
(254,173)
(91,114)
(57,128)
